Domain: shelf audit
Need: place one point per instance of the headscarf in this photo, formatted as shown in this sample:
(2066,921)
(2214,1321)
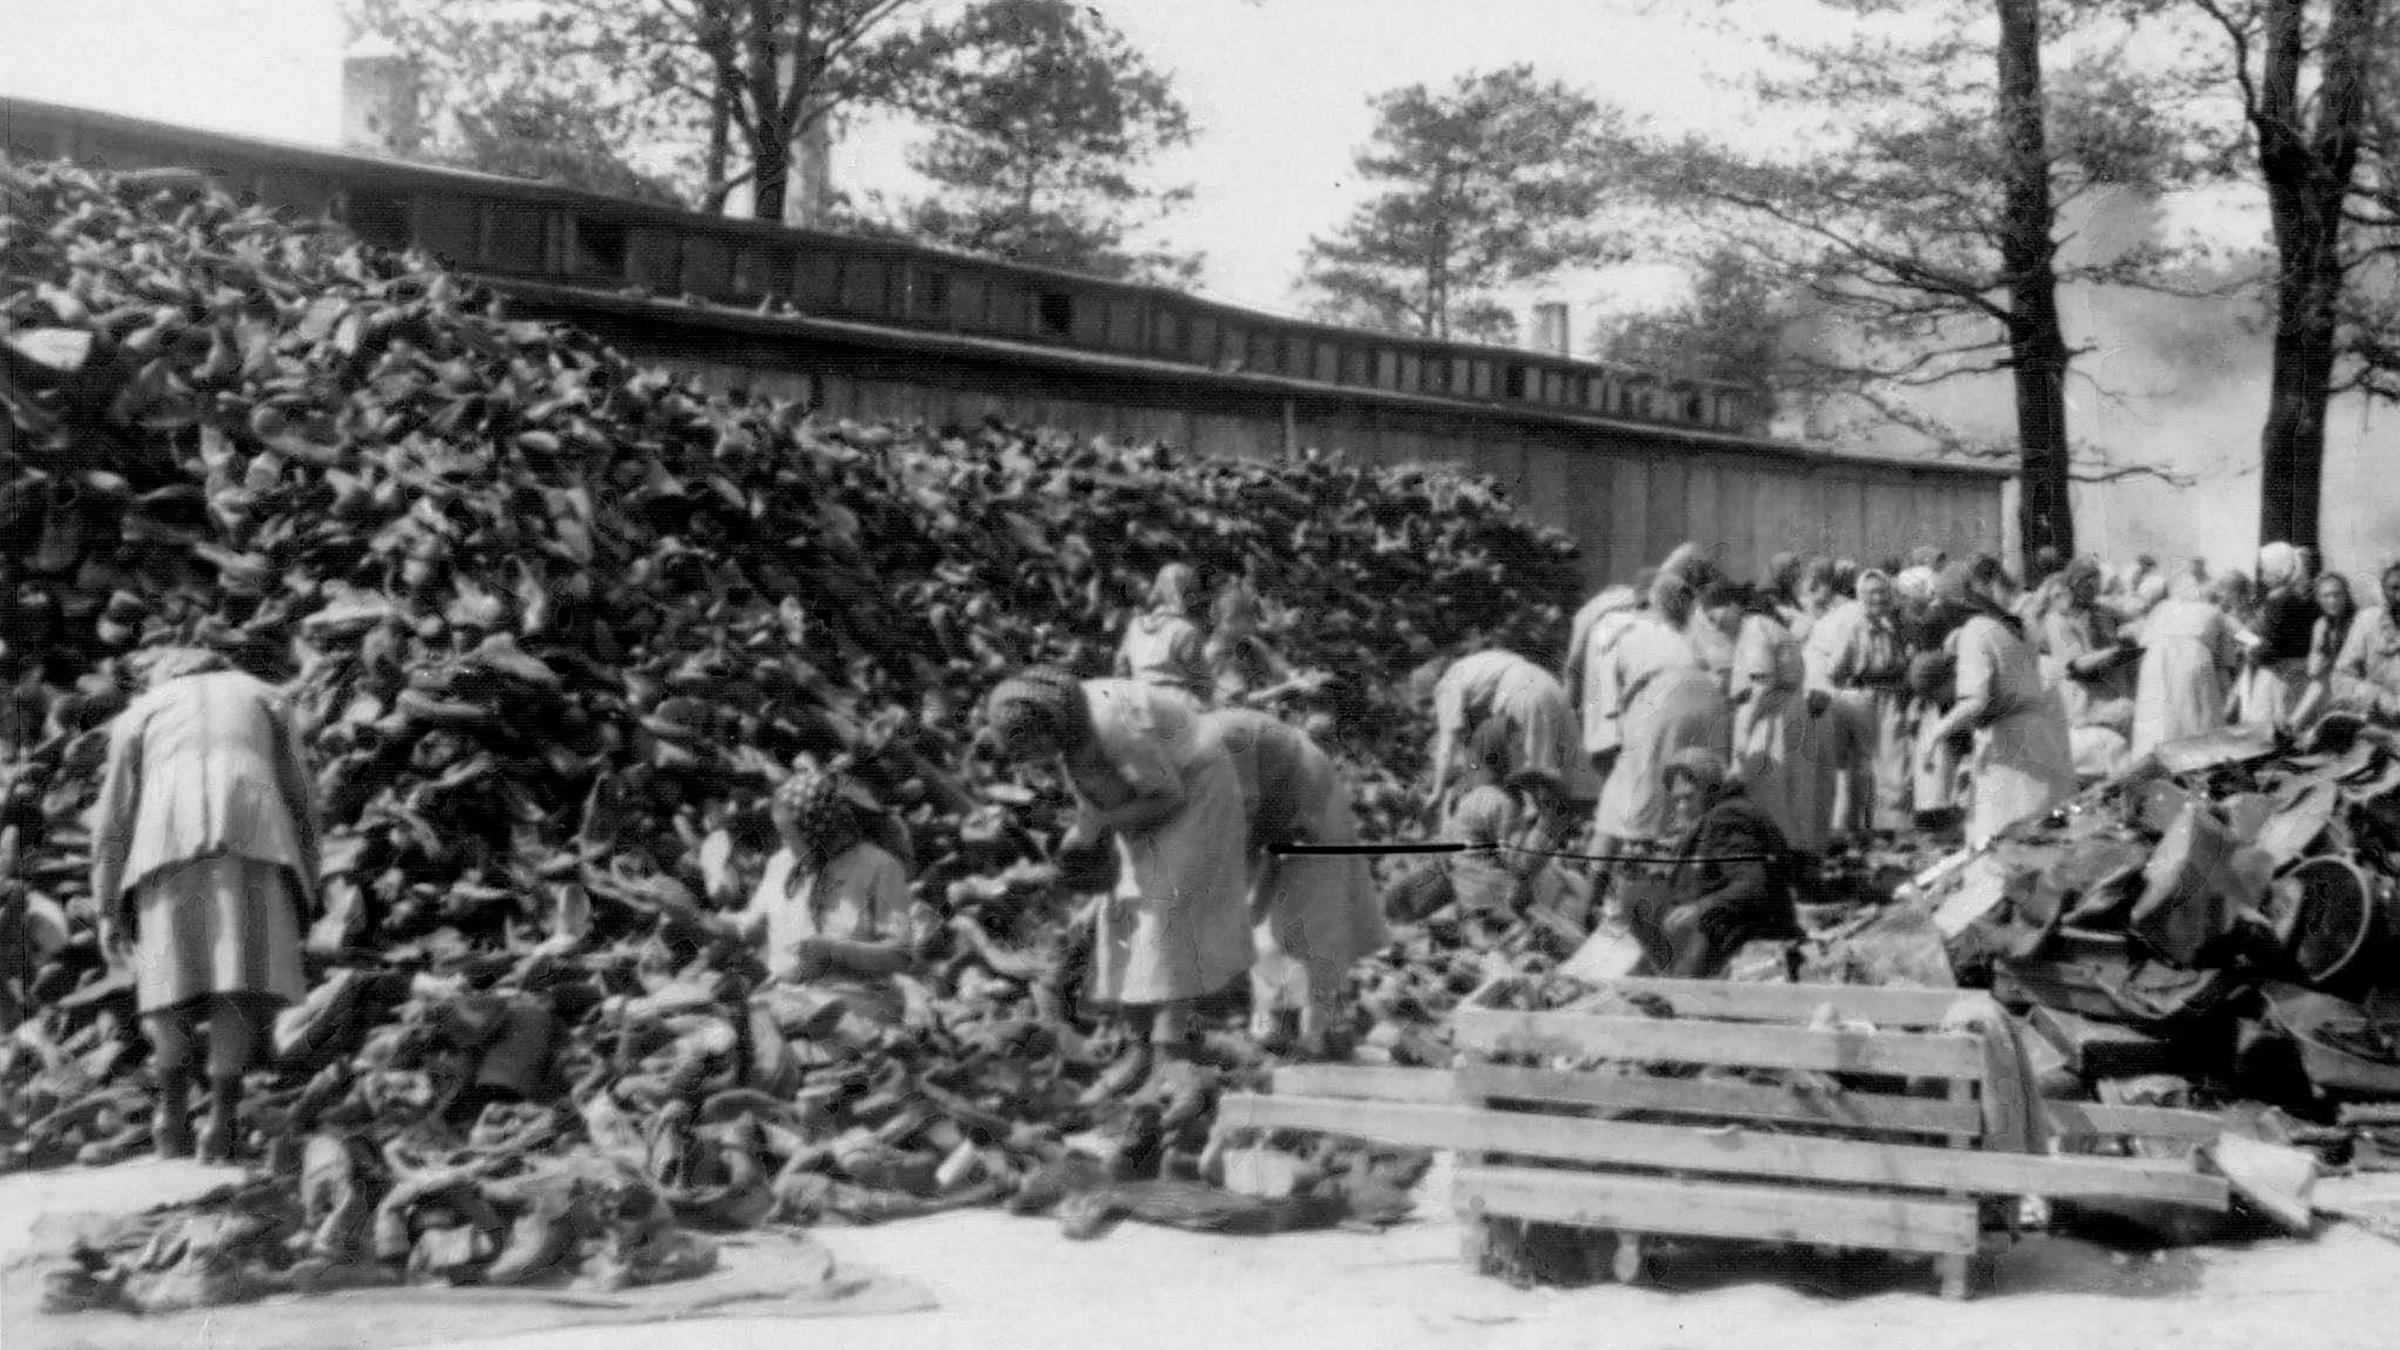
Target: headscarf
(1703,766)
(1038,701)
(1960,596)
(1671,596)
(158,665)
(1783,574)
(2278,563)
(1171,593)
(1486,815)
(826,810)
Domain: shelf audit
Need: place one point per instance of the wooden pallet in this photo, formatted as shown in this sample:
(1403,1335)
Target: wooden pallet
(1891,1156)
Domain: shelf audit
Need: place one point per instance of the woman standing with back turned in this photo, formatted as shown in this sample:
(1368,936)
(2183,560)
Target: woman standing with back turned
(205,850)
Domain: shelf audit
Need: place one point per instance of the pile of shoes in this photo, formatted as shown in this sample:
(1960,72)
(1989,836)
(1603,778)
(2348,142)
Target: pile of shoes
(557,626)
(2226,913)
(557,621)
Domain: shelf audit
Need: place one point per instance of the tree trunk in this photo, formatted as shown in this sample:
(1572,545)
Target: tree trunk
(2038,353)
(2308,171)
(771,156)
(771,128)
(716,169)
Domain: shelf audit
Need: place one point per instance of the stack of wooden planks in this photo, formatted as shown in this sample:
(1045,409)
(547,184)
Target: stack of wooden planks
(1844,1116)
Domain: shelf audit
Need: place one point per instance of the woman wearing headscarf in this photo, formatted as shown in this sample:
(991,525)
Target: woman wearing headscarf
(2190,650)
(1314,916)
(1144,768)
(1858,656)
(1516,704)
(2088,663)
(1163,646)
(2337,610)
(1651,699)
(205,850)
(1786,742)
(2286,619)
(832,907)
(2021,766)
(1734,879)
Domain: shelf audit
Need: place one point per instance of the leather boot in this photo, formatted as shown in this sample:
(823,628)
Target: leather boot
(219,1135)
(171,1119)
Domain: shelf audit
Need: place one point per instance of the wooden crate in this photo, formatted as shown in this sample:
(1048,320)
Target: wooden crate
(1891,1152)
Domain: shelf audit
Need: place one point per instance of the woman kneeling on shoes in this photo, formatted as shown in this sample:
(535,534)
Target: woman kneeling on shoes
(1146,769)
(833,907)
(204,850)
(1734,879)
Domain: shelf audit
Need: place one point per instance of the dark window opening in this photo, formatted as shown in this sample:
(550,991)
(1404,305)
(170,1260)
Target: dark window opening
(1512,381)
(1054,314)
(930,296)
(379,218)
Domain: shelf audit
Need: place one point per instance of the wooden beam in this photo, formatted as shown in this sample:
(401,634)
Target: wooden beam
(1719,1209)
(1884,1005)
(1691,1097)
(2090,1119)
(1366,1082)
(1729,1150)
(1752,1045)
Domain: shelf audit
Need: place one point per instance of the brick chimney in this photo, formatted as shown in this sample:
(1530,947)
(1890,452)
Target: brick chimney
(1550,329)
(379,100)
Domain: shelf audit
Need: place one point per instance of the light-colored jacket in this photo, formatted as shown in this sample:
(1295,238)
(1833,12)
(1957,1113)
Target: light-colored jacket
(202,765)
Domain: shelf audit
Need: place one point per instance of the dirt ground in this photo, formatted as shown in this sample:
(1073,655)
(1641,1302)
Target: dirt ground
(1006,1282)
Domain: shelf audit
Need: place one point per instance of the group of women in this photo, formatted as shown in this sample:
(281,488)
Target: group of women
(1720,727)
(1848,702)
(1203,794)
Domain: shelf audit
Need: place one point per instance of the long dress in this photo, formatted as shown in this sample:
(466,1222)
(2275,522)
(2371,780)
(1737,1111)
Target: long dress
(2188,650)
(1785,757)
(1315,916)
(2099,706)
(205,837)
(1177,927)
(1529,705)
(2021,765)
(1167,650)
(1652,688)
(1863,663)
(2274,684)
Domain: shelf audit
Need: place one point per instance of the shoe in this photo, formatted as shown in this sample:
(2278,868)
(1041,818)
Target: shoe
(1130,1070)
(545,1233)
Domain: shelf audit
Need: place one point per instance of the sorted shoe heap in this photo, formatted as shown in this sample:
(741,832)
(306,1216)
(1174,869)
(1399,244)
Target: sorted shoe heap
(557,625)
(2227,913)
